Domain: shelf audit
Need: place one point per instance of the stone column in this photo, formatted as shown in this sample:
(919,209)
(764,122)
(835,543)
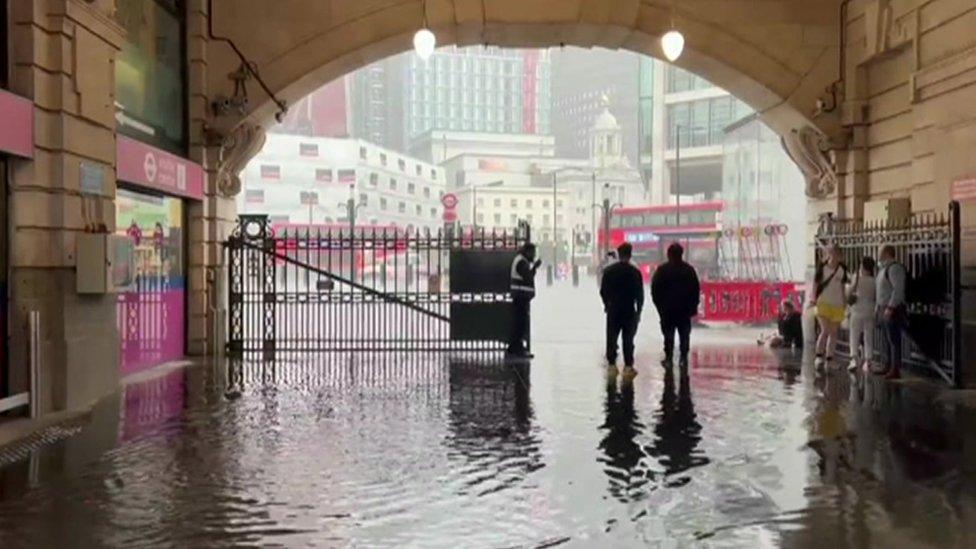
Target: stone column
(223,154)
(63,57)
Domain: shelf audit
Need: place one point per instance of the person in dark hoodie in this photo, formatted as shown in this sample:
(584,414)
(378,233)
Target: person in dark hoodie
(676,295)
(622,292)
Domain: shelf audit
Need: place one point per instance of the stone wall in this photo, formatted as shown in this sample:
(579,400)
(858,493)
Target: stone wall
(62,55)
(909,101)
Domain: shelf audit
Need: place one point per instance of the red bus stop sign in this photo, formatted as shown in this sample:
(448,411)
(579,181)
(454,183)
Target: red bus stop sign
(450,215)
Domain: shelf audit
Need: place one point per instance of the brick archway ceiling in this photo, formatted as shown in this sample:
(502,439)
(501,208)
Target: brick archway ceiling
(776,55)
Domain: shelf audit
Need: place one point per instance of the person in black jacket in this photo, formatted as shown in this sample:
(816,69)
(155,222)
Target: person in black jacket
(676,294)
(622,291)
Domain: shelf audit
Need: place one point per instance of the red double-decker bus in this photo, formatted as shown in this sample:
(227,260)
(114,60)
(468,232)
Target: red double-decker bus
(650,230)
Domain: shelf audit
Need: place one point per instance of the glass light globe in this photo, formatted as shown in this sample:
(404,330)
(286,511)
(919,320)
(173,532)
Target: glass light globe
(423,43)
(673,43)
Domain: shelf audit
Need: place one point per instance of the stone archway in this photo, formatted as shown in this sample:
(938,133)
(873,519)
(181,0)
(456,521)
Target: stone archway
(778,56)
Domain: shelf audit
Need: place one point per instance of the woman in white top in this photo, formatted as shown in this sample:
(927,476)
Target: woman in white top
(830,299)
(861,298)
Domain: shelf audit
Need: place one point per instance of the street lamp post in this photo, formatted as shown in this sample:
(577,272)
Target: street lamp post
(607,208)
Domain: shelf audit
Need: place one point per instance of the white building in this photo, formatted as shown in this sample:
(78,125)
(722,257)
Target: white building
(496,190)
(299,179)
(438,145)
(684,124)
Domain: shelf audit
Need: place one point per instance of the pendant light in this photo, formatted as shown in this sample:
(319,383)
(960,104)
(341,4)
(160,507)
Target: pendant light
(424,40)
(673,42)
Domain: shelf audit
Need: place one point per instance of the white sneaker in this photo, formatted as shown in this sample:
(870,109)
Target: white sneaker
(852,367)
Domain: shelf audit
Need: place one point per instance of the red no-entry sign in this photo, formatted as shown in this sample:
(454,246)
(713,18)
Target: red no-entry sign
(450,201)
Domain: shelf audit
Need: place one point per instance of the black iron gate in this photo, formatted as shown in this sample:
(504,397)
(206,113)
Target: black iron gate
(929,246)
(315,288)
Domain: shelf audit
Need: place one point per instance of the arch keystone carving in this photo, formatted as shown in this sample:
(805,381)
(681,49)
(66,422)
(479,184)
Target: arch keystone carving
(236,150)
(810,151)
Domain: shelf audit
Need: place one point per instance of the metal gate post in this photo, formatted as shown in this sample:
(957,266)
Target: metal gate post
(235,292)
(956,293)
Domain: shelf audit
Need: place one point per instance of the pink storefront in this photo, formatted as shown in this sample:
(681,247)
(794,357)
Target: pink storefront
(154,186)
(16,141)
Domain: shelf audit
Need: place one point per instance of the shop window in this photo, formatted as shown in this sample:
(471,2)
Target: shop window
(270,171)
(155,225)
(150,73)
(347,176)
(254,196)
(323,175)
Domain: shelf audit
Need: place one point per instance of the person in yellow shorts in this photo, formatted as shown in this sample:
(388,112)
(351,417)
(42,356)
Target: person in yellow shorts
(830,300)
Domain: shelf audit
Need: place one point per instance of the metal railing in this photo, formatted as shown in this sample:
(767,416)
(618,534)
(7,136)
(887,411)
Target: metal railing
(929,247)
(308,289)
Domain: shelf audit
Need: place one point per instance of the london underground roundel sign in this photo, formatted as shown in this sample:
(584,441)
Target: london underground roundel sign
(450,201)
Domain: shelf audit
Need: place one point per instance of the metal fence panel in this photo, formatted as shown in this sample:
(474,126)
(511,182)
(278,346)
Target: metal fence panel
(929,246)
(326,289)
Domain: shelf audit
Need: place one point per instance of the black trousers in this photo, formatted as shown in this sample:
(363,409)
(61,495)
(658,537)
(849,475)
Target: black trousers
(622,325)
(681,324)
(520,324)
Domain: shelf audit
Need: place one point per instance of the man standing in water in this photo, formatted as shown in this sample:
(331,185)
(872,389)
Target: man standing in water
(622,291)
(676,294)
(522,287)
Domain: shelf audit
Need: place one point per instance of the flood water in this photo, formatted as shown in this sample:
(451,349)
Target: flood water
(744,449)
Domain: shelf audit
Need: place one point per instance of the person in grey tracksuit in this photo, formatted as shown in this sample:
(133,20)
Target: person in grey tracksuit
(891,309)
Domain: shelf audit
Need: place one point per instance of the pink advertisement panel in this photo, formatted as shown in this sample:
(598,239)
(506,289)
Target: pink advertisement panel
(154,168)
(16,125)
(152,316)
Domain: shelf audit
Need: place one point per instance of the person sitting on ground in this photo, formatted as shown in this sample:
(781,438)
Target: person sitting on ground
(789,329)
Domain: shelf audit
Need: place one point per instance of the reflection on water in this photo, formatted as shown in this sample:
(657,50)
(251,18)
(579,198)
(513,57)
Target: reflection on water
(745,448)
(677,430)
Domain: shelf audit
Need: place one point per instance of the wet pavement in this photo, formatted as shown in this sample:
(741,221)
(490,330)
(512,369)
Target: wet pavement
(744,449)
